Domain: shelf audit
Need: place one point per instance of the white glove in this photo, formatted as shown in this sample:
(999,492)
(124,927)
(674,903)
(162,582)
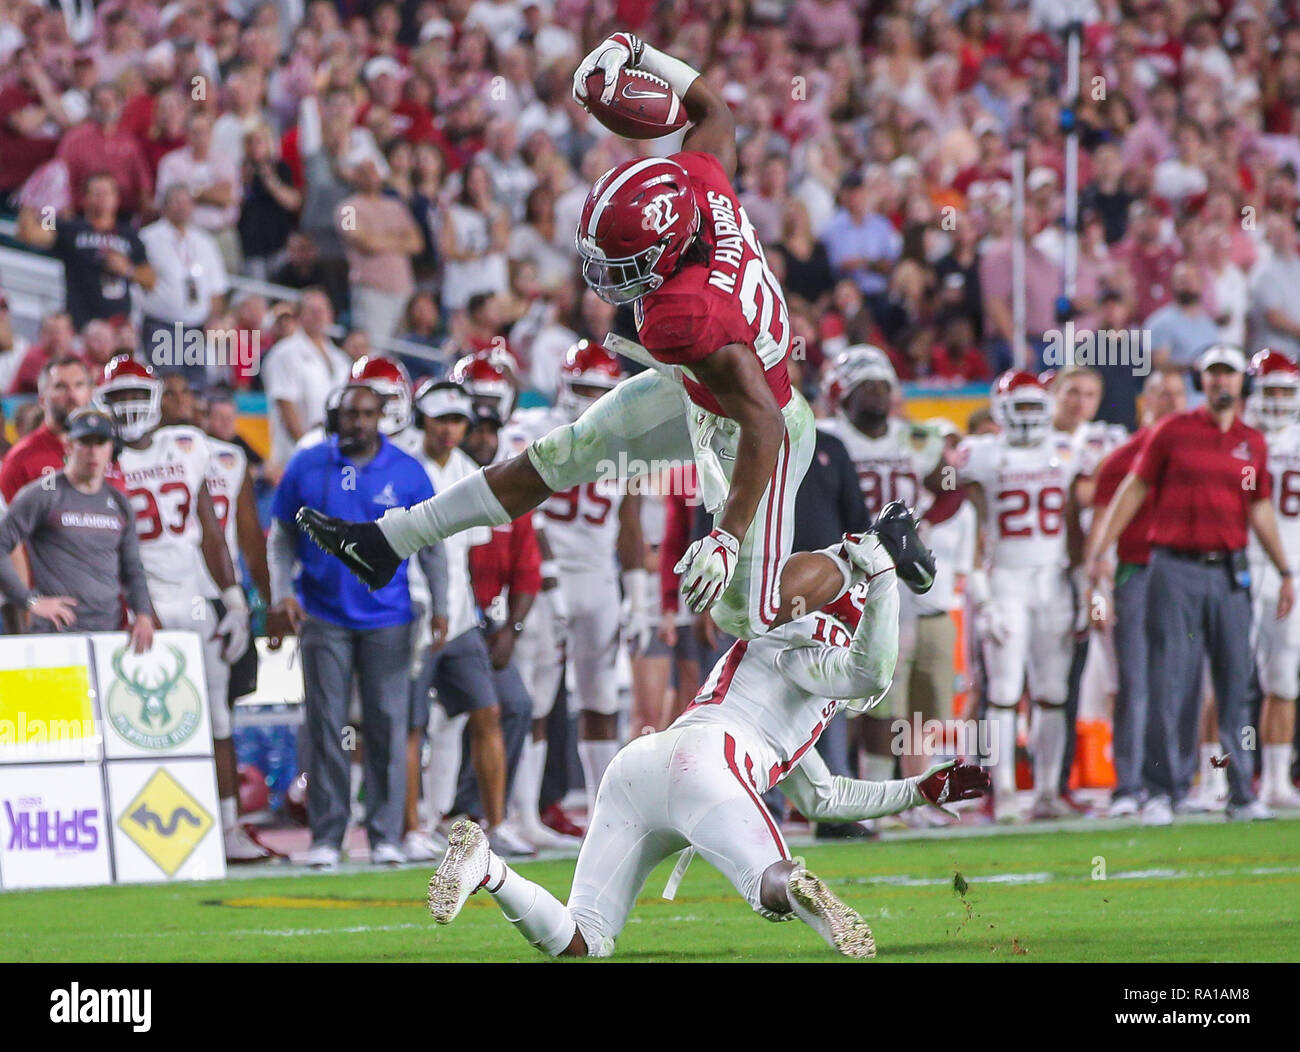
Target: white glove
(234,627)
(707,568)
(611,55)
(638,619)
(990,623)
(865,552)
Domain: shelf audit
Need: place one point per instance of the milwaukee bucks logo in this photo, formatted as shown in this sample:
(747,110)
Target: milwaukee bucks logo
(151,703)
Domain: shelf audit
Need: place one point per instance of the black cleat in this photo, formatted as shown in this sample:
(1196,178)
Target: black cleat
(913,561)
(360,546)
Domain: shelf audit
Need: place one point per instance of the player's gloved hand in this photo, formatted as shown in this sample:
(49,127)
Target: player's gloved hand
(637,616)
(234,627)
(946,783)
(611,55)
(706,569)
(865,551)
(990,623)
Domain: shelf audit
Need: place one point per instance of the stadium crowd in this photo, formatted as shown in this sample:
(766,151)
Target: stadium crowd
(384,195)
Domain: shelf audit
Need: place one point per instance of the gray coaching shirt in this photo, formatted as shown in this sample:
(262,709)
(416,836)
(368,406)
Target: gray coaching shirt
(81,545)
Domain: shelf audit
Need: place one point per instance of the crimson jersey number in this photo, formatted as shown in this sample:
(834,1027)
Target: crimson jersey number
(221,505)
(594,505)
(1288,498)
(901,486)
(170,510)
(1019,504)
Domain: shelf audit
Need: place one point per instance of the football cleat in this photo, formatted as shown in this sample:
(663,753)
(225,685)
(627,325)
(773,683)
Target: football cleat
(418,846)
(818,907)
(360,546)
(555,817)
(913,561)
(323,857)
(385,854)
(1255,811)
(241,846)
(463,870)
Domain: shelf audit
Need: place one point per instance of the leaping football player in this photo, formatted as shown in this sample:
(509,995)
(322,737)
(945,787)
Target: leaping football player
(698,784)
(669,236)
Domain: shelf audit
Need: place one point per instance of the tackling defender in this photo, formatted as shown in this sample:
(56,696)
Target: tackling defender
(697,785)
(669,236)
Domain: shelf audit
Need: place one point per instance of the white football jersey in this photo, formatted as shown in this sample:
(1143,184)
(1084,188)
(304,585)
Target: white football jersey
(227,467)
(581,523)
(1284,469)
(891,467)
(1025,490)
(461,605)
(749,690)
(162,482)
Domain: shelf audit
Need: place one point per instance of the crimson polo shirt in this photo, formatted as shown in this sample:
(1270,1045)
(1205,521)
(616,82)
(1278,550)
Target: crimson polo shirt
(1132,546)
(1203,481)
(39,452)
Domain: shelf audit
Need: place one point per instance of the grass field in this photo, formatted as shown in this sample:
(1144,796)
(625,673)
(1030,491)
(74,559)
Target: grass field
(1191,892)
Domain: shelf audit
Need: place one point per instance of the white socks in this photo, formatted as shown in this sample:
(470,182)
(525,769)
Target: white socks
(1214,780)
(1004,748)
(1275,776)
(229,812)
(526,792)
(469,502)
(539,916)
(1049,749)
(595,757)
(444,761)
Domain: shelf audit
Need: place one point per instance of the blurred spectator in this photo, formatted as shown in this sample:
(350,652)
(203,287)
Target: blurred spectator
(1106,194)
(302,269)
(102,257)
(98,346)
(1148,258)
(222,422)
(12,348)
(539,241)
(472,241)
(1275,307)
(212,180)
(804,260)
(510,178)
(356,344)
(298,373)
(269,205)
(957,274)
(1042,284)
(100,145)
(56,341)
(63,385)
(1181,330)
(1226,285)
(27,418)
(242,115)
(32,119)
(381,239)
(166,131)
(768,202)
(191,286)
(861,243)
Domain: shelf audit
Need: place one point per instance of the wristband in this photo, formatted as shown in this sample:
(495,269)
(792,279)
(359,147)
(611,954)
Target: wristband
(233,599)
(678,75)
(549,569)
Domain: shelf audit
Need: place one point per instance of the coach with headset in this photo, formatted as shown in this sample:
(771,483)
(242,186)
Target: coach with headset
(1207,474)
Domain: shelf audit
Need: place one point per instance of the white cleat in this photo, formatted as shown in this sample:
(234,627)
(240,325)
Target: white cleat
(818,907)
(1122,807)
(543,837)
(323,857)
(1050,807)
(1157,812)
(1006,809)
(240,847)
(1283,797)
(1255,811)
(418,846)
(385,854)
(463,870)
(506,840)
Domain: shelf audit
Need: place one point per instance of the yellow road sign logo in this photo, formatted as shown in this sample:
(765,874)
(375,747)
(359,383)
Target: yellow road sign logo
(165,821)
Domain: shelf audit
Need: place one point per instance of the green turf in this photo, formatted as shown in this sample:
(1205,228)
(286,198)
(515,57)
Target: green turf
(1202,892)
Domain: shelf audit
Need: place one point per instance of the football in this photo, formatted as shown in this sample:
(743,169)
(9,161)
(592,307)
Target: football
(643,106)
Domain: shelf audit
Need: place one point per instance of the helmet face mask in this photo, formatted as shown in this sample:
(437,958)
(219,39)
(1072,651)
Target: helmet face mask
(638,220)
(136,407)
(388,379)
(1277,403)
(1022,408)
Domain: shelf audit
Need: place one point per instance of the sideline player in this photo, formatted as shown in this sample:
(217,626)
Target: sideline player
(1274,407)
(1020,590)
(668,235)
(165,471)
(698,784)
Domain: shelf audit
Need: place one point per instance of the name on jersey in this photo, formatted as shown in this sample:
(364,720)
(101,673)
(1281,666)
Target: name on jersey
(729,243)
(167,470)
(1010,478)
(82,520)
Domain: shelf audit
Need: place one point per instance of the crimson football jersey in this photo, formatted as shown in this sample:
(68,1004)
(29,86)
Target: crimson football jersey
(733,299)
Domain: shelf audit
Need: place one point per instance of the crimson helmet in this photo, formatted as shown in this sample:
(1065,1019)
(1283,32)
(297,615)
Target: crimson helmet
(132,395)
(855,365)
(1275,393)
(637,221)
(1022,407)
(586,364)
(389,379)
(492,379)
